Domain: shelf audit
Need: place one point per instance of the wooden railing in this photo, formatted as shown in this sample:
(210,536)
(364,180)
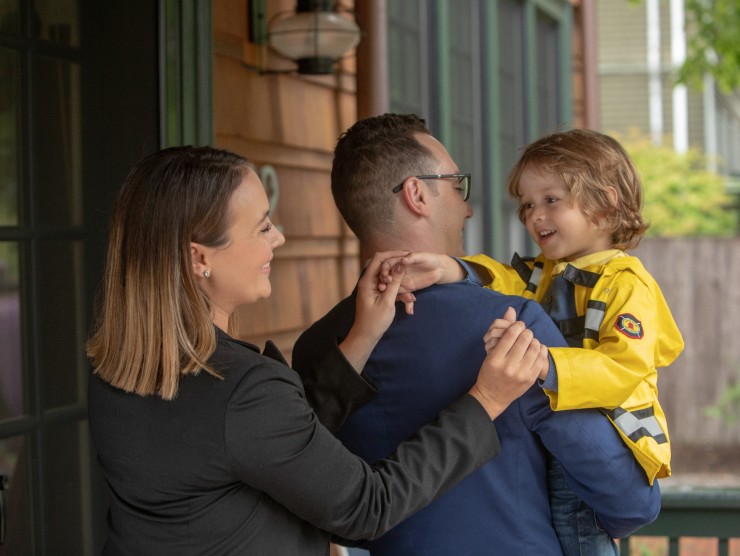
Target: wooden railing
(695,512)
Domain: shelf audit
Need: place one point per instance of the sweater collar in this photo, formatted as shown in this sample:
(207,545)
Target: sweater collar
(594,259)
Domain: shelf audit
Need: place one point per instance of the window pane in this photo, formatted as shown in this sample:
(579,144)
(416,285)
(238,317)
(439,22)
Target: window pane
(511,79)
(57,159)
(58,21)
(548,73)
(463,99)
(11,370)
(404,57)
(65,474)
(9,136)
(60,316)
(512,113)
(10,21)
(14,464)
(465,110)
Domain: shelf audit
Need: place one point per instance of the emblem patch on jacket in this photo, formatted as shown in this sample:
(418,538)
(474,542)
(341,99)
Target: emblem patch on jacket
(629,326)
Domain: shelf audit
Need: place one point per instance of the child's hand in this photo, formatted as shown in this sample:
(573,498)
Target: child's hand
(374,311)
(375,305)
(423,270)
(509,369)
(496,331)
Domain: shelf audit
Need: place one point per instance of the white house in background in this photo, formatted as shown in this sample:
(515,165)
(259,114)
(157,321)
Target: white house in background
(641,45)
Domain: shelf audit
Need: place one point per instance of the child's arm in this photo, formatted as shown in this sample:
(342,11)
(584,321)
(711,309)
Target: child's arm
(637,334)
(424,270)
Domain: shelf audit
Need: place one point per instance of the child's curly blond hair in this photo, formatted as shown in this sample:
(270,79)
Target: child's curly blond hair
(590,163)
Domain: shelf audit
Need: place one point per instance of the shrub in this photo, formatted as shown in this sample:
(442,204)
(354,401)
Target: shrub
(682,197)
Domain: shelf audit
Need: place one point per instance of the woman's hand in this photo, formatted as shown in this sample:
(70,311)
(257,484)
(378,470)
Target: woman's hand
(496,331)
(422,270)
(510,368)
(375,309)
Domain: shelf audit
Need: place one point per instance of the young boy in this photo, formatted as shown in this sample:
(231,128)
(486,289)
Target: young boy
(580,199)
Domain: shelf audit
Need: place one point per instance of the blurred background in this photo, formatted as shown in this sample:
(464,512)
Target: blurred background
(87,88)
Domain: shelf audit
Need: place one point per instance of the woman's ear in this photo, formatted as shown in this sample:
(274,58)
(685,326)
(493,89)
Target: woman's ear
(199,259)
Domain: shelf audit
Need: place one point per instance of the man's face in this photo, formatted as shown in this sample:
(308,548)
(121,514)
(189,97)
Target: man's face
(449,211)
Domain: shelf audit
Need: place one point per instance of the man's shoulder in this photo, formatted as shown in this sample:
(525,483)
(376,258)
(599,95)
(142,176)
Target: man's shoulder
(465,306)
(475,304)
(464,293)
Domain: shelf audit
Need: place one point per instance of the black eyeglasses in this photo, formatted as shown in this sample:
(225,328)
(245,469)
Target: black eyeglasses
(463,182)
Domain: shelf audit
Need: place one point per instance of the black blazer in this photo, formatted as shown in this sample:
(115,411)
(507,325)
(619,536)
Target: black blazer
(242,465)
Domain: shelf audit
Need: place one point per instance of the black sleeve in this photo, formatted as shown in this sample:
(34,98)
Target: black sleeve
(277,445)
(333,388)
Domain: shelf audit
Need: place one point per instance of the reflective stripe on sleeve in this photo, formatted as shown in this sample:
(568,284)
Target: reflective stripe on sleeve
(638,424)
(594,317)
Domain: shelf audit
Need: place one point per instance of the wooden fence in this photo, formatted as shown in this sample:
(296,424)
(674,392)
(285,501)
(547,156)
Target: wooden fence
(700,278)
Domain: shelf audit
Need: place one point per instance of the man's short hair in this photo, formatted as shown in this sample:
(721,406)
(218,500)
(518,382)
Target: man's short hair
(372,157)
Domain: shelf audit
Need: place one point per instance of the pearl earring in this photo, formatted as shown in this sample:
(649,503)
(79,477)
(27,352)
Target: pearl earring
(207,274)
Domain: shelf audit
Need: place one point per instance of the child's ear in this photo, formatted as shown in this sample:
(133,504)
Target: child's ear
(613,196)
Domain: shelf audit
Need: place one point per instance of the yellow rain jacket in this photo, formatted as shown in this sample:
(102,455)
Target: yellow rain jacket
(627,332)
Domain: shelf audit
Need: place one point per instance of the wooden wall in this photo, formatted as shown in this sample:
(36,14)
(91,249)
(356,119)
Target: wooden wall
(579,90)
(291,123)
(584,79)
(699,278)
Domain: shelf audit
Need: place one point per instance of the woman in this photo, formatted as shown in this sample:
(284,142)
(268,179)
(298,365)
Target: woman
(208,446)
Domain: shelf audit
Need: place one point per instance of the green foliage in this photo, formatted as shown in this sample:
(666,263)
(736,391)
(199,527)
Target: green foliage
(713,43)
(644,550)
(727,408)
(682,198)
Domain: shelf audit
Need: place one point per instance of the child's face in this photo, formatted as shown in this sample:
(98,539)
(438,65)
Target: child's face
(554,221)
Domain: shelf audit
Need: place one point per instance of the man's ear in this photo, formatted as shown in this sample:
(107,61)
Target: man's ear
(415,196)
(199,258)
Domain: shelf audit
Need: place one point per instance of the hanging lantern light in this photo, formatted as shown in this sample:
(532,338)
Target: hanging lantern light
(315,36)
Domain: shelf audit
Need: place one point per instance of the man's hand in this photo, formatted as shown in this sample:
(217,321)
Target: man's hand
(510,368)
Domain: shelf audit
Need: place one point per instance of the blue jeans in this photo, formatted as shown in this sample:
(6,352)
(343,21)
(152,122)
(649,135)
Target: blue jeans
(575,522)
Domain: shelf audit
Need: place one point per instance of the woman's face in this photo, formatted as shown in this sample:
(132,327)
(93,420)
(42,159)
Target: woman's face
(240,269)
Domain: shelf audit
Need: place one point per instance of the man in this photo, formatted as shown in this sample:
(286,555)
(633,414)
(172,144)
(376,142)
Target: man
(398,189)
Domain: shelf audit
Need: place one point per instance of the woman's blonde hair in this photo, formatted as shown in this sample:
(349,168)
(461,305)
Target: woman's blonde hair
(153,322)
(590,163)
